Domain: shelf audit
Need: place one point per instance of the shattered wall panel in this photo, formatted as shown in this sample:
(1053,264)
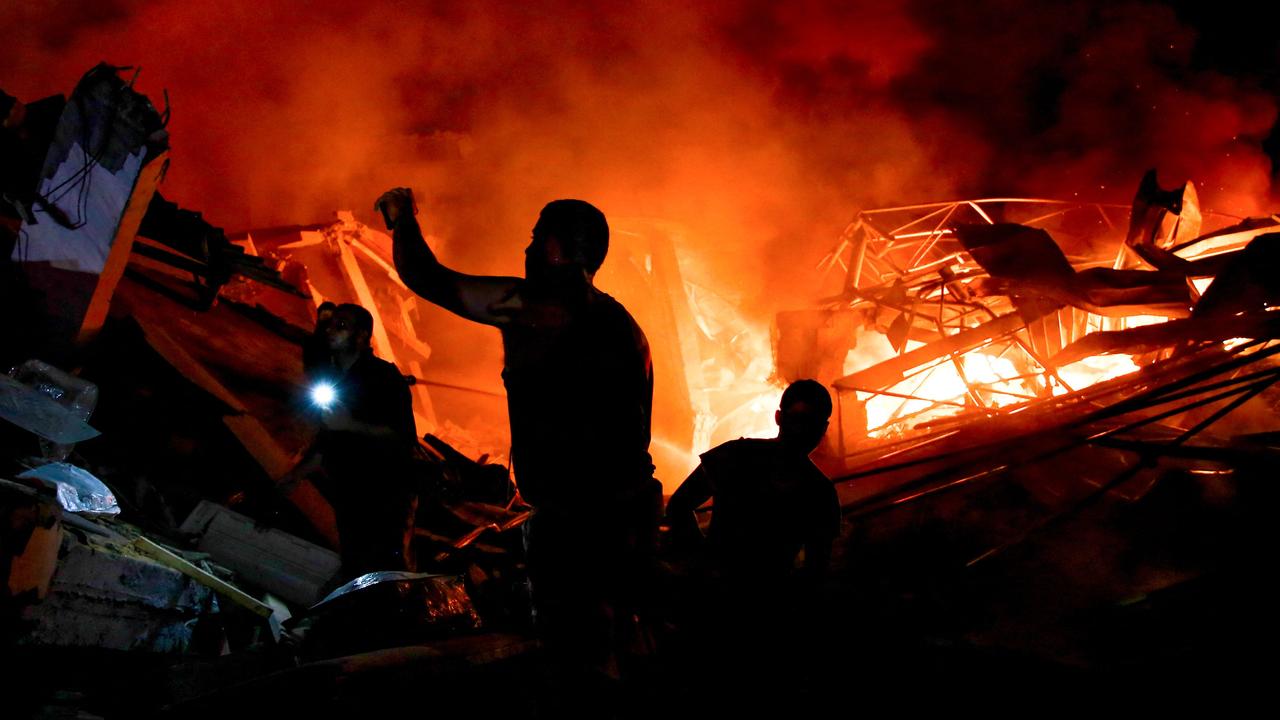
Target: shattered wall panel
(100,174)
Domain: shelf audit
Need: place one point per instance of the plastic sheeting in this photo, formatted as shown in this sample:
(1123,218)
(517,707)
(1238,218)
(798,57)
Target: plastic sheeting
(77,395)
(35,412)
(78,490)
(413,602)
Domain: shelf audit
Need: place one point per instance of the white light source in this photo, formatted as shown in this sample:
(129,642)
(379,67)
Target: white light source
(323,394)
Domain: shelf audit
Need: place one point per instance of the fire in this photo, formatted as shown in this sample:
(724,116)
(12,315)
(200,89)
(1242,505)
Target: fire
(738,395)
(936,335)
(983,380)
(1093,370)
(974,381)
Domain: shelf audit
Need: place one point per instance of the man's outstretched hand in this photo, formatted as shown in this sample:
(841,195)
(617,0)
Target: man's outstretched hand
(394,204)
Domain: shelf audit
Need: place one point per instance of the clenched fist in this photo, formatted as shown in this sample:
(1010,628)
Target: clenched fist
(395,203)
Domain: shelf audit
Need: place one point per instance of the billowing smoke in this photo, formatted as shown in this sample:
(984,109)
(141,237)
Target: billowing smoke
(759,126)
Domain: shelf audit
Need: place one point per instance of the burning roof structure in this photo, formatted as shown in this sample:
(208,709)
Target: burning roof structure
(950,312)
(1029,391)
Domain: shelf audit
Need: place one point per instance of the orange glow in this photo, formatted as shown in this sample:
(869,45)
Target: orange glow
(732,390)
(990,382)
(1133,321)
(1093,370)
(757,127)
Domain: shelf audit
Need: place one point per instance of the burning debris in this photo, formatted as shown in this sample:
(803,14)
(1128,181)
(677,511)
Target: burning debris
(971,309)
(195,342)
(1007,409)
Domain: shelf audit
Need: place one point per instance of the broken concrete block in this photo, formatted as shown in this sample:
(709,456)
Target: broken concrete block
(271,559)
(106,595)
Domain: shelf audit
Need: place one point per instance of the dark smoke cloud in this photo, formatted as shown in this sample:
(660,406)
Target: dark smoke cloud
(1083,97)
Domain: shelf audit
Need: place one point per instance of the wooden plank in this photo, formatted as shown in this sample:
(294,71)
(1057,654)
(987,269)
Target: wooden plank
(673,306)
(144,188)
(188,366)
(360,286)
(381,341)
(276,463)
(218,585)
(255,438)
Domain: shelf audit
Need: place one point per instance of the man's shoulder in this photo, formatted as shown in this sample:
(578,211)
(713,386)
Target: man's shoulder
(610,313)
(740,450)
(819,487)
(610,309)
(813,471)
(375,364)
(381,371)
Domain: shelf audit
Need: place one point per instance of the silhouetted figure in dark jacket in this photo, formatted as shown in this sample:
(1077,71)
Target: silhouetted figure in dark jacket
(365,445)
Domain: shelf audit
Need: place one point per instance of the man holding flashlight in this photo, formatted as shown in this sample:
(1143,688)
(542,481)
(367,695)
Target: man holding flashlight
(579,396)
(366,412)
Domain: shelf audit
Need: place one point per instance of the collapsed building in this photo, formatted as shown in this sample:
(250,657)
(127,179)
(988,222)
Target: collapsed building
(1055,424)
(142,447)
(1018,383)
(954,316)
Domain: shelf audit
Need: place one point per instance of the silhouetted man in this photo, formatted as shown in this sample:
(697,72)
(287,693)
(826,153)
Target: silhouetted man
(770,499)
(579,394)
(756,620)
(365,447)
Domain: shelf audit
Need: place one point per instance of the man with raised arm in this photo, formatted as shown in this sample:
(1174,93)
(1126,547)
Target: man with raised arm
(579,394)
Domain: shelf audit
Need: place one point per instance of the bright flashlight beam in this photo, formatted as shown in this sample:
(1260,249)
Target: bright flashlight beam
(323,395)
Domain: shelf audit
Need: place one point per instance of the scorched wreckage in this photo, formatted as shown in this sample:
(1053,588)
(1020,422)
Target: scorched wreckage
(1053,439)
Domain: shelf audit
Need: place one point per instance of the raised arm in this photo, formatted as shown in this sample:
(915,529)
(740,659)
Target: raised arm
(485,299)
